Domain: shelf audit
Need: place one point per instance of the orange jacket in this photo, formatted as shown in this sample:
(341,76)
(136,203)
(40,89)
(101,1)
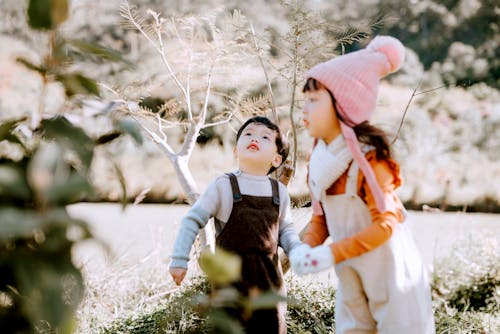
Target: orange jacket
(387,173)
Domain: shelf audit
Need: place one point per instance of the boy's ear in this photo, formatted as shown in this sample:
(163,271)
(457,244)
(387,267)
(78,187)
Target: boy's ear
(277,160)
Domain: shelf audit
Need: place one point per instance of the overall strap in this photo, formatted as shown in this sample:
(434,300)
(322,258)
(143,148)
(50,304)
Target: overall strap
(276,191)
(235,187)
(351,186)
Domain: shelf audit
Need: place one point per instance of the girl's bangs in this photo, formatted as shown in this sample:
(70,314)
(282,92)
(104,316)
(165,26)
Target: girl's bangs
(311,85)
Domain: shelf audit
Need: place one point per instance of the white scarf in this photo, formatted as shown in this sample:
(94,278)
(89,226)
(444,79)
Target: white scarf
(326,164)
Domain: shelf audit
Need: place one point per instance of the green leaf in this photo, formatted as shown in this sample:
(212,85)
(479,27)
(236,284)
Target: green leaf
(51,289)
(228,296)
(76,83)
(267,300)
(6,127)
(47,14)
(17,223)
(98,50)
(131,127)
(39,14)
(42,167)
(23,224)
(53,179)
(108,137)
(31,66)
(13,182)
(221,267)
(68,191)
(60,56)
(59,11)
(71,137)
(222,323)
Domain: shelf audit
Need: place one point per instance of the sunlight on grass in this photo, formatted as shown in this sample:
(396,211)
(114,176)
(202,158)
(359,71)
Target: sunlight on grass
(130,296)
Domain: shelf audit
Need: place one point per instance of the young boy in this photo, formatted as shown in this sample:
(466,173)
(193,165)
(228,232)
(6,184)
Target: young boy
(252,217)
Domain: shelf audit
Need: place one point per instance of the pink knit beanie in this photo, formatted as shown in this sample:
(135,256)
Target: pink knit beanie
(353,80)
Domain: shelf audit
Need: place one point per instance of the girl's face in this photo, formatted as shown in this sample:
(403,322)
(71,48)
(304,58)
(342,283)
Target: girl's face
(256,149)
(319,115)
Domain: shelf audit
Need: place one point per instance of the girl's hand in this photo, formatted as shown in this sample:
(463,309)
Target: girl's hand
(313,260)
(177,274)
(297,254)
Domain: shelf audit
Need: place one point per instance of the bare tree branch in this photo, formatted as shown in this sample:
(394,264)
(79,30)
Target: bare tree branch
(195,127)
(404,114)
(188,87)
(161,50)
(160,128)
(269,88)
(129,15)
(132,108)
(292,107)
(203,115)
(225,120)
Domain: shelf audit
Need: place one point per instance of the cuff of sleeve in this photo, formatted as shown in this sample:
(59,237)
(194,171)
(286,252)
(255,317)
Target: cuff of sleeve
(337,254)
(178,263)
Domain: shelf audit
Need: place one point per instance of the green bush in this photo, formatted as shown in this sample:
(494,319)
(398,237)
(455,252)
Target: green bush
(45,168)
(176,314)
(466,287)
(312,308)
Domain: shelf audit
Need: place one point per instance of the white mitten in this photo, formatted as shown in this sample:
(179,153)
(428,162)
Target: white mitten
(297,254)
(314,260)
(326,167)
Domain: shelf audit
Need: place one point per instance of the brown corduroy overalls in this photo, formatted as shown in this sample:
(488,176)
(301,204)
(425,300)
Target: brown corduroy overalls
(252,232)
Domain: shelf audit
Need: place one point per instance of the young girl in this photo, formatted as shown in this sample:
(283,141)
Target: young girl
(383,287)
(252,217)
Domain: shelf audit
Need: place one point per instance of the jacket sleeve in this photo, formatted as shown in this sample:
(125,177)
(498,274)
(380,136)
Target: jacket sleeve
(196,218)
(288,237)
(387,173)
(316,231)
(192,223)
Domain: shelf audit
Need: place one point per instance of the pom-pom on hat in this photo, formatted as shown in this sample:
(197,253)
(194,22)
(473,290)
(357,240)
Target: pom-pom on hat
(353,80)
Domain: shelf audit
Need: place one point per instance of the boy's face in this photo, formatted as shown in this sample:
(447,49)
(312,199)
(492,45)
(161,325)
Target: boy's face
(256,149)
(319,115)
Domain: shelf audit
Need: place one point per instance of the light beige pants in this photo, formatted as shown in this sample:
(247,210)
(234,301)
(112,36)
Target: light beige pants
(386,290)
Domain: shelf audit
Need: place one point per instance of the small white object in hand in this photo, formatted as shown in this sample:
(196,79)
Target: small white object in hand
(312,260)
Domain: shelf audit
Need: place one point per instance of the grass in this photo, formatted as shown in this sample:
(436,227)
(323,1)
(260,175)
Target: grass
(465,287)
(312,313)
(175,314)
(463,303)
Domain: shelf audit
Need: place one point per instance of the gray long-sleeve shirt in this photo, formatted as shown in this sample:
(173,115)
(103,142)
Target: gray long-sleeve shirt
(217,202)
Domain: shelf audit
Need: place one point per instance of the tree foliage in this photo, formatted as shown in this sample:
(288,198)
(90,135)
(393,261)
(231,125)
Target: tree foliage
(40,287)
(432,28)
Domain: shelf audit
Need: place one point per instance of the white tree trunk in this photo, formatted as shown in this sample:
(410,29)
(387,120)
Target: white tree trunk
(185,177)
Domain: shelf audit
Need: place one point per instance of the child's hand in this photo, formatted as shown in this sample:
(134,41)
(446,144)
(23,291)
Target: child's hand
(178,274)
(313,260)
(297,254)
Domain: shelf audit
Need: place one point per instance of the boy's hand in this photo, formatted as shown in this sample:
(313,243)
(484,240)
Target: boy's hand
(313,260)
(177,274)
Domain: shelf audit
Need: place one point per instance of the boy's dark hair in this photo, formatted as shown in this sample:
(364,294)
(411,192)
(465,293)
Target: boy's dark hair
(366,133)
(281,145)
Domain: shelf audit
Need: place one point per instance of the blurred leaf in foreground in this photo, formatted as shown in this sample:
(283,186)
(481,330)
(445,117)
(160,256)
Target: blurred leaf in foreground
(221,267)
